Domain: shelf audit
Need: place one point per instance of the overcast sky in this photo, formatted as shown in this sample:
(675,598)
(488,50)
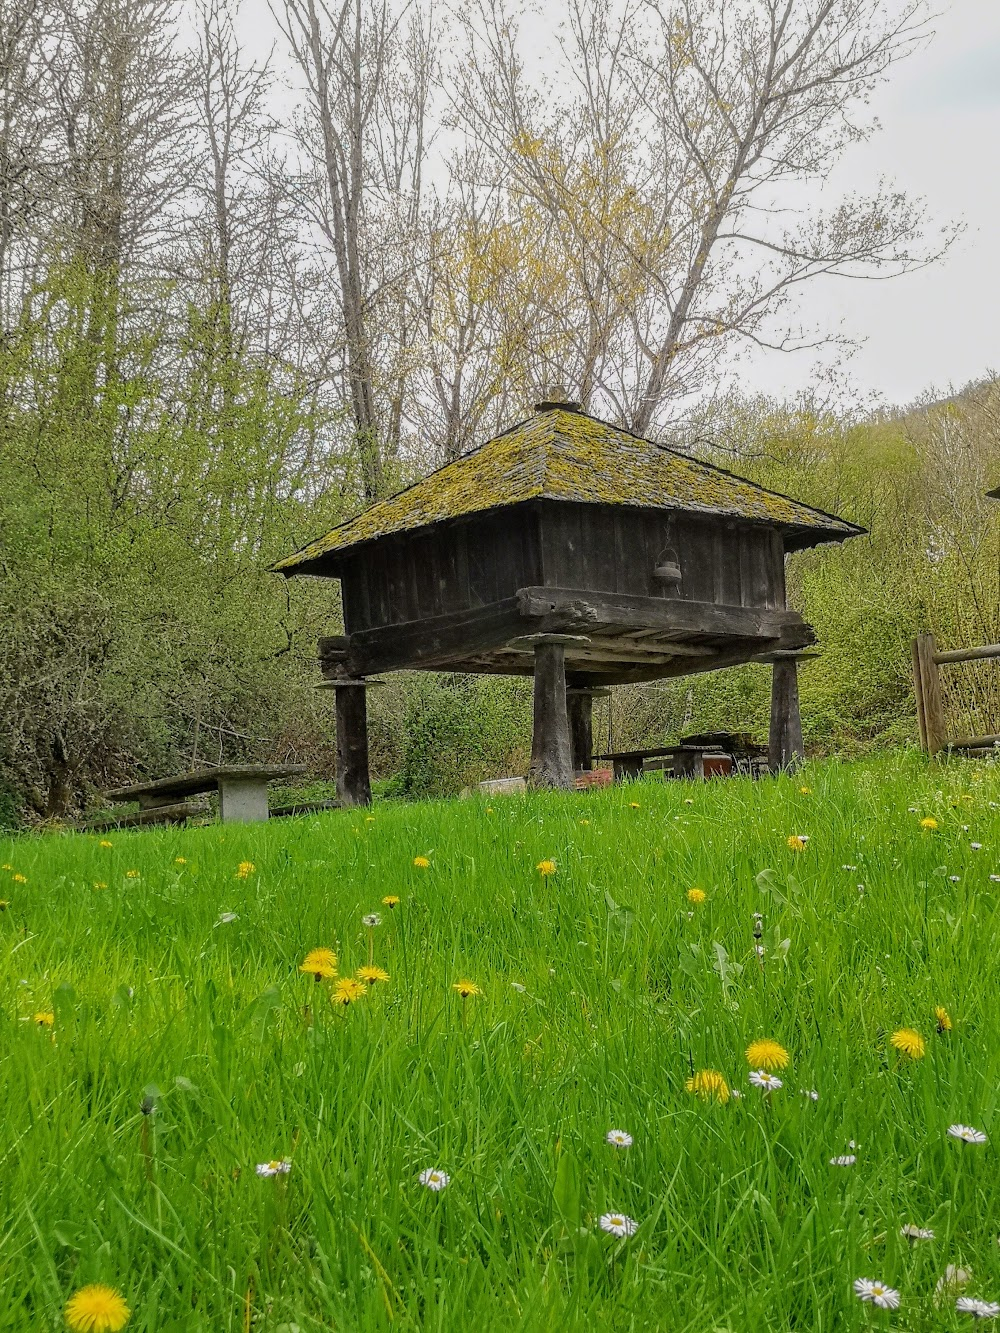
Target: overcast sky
(940,139)
(931,330)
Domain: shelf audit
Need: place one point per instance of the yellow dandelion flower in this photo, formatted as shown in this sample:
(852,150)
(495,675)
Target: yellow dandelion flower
(20,879)
(797,842)
(370,974)
(97,1309)
(546,868)
(943,1019)
(100,884)
(105,843)
(908,1042)
(132,874)
(696,895)
(708,1084)
(245,869)
(421,862)
(390,900)
(44,1019)
(6,866)
(767,1054)
(584,822)
(634,805)
(347,991)
(805,791)
(319,963)
(466,988)
(180,860)
(929,823)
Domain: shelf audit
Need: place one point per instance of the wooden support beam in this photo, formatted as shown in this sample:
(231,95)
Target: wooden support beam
(580,708)
(784,746)
(551,751)
(935,725)
(570,609)
(353,783)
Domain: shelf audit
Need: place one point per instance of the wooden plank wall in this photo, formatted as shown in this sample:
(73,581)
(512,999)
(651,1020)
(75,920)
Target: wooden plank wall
(486,558)
(451,567)
(616,550)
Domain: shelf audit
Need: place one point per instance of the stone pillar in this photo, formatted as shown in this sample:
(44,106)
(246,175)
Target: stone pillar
(784,747)
(353,784)
(551,750)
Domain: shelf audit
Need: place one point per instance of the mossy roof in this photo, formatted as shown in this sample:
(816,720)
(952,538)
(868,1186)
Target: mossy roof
(564,454)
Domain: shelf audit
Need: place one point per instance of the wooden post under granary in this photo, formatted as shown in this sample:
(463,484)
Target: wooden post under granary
(784,747)
(580,706)
(353,783)
(551,750)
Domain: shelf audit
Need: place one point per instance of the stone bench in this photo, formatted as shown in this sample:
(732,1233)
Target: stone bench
(242,793)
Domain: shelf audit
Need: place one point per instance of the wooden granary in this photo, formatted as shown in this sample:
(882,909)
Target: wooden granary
(570,550)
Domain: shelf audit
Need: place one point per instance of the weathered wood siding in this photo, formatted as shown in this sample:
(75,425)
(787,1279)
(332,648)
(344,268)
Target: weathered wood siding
(451,567)
(616,550)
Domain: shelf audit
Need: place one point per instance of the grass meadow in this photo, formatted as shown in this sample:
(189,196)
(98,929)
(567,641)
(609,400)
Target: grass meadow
(185,1048)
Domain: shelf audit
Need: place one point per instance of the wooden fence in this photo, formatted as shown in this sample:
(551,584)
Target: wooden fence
(931,714)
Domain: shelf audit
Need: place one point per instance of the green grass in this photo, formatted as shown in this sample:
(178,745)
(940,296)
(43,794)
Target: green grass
(744,1225)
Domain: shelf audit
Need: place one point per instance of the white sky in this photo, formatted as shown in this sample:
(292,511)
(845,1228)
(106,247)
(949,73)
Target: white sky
(940,140)
(932,330)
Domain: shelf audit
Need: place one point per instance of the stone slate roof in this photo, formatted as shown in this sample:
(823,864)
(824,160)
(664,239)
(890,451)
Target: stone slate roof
(563,454)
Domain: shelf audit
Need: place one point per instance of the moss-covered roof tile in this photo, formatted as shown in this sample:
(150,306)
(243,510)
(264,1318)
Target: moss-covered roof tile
(563,454)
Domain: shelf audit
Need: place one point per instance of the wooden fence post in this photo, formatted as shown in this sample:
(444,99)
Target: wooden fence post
(918,694)
(930,703)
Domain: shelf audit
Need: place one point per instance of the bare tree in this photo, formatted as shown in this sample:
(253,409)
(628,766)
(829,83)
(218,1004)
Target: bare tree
(676,172)
(364,140)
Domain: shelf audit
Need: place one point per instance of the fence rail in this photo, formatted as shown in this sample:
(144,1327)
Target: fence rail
(931,717)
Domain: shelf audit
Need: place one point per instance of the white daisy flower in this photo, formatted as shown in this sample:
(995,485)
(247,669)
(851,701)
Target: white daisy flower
(760,1078)
(916,1233)
(878,1293)
(953,1279)
(433,1178)
(281,1168)
(735,1092)
(977,1308)
(618,1138)
(954,878)
(976,846)
(995,879)
(617,1224)
(966,1133)
(845,1159)
(845,867)
(371,919)
(811,1093)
